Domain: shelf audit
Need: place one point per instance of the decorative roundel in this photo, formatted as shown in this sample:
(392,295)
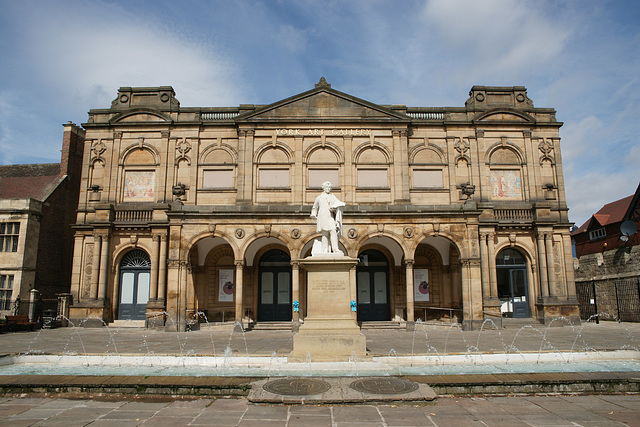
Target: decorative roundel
(384,385)
(520,97)
(297,386)
(239,233)
(409,232)
(480,97)
(164,97)
(295,233)
(124,98)
(352,233)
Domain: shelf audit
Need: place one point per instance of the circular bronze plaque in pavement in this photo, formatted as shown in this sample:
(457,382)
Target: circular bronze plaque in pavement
(384,385)
(297,386)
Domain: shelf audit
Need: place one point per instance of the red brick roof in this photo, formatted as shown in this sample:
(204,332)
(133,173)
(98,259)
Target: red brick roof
(609,214)
(34,181)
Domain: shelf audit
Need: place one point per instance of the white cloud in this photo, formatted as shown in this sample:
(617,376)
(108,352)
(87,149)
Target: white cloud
(587,193)
(500,39)
(105,47)
(292,39)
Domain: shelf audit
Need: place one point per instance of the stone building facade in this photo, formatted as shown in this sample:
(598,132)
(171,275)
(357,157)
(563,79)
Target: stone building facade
(192,213)
(37,210)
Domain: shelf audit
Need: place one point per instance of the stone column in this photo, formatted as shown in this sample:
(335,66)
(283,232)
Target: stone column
(484,260)
(542,266)
(548,240)
(353,279)
(153,289)
(95,266)
(104,268)
(239,290)
(568,255)
(295,288)
(182,296)
(162,268)
(408,263)
(493,274)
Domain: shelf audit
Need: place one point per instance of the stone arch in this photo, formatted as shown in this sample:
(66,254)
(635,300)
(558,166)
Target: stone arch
(273,153)
(142,113)
(380,153)
(313,149)
(254,244)
(510,151)
(391,241)
(198,238)
(426,154)
(503,113)
(420,237)
(228,155)
(143,147)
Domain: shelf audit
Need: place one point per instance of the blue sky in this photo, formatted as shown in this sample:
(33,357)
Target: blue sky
(582,57)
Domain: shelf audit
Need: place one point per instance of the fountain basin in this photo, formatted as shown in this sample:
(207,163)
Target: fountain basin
(274,366)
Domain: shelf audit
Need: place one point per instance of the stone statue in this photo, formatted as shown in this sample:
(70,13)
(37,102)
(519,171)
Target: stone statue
(327,210)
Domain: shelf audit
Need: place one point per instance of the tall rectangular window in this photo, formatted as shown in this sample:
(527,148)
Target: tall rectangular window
(6,289)
(9,232)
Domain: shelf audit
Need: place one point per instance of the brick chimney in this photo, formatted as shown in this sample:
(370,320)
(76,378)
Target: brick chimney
(72,151)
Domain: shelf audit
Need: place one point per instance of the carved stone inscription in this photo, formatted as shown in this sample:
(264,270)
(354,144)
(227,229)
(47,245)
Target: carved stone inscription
(327,286)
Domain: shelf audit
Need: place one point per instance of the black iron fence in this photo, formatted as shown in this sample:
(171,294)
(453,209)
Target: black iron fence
(37,311)
(615,299)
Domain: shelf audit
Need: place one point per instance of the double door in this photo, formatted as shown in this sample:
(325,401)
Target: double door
(373,287)
(512,290)
(274,287)
(134,294)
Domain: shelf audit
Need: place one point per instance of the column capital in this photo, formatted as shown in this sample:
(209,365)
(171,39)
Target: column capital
(409,262)
(295,264)
(239,263)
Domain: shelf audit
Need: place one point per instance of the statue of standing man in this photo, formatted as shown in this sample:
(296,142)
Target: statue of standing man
(327,210)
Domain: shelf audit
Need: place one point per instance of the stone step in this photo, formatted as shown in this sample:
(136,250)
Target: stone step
(383,325)
(269,326)
(127,324)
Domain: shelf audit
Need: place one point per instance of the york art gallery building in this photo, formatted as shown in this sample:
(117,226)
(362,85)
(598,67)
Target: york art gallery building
(191,213)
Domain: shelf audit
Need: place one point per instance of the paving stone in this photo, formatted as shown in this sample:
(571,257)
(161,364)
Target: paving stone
(351,414)
(309,420)
(273,413)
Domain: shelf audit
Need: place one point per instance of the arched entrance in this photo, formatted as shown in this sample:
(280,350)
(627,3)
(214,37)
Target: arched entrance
(274,287)
(372,274)
(135,275)
(513,292)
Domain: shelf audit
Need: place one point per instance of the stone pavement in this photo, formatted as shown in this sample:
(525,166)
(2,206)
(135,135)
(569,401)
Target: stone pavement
(592,411)
(426,339)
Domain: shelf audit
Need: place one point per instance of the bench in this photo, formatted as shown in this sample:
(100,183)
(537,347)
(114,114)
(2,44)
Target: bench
(20,322)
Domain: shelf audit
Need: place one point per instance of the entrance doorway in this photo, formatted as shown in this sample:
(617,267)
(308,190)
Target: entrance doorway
(135,275)
(372,275)
(513,291)
(274,287)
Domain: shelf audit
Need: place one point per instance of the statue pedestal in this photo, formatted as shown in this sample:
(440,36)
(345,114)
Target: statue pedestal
(329,332)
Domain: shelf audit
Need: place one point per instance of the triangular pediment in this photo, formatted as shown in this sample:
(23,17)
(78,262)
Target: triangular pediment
(324,104)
